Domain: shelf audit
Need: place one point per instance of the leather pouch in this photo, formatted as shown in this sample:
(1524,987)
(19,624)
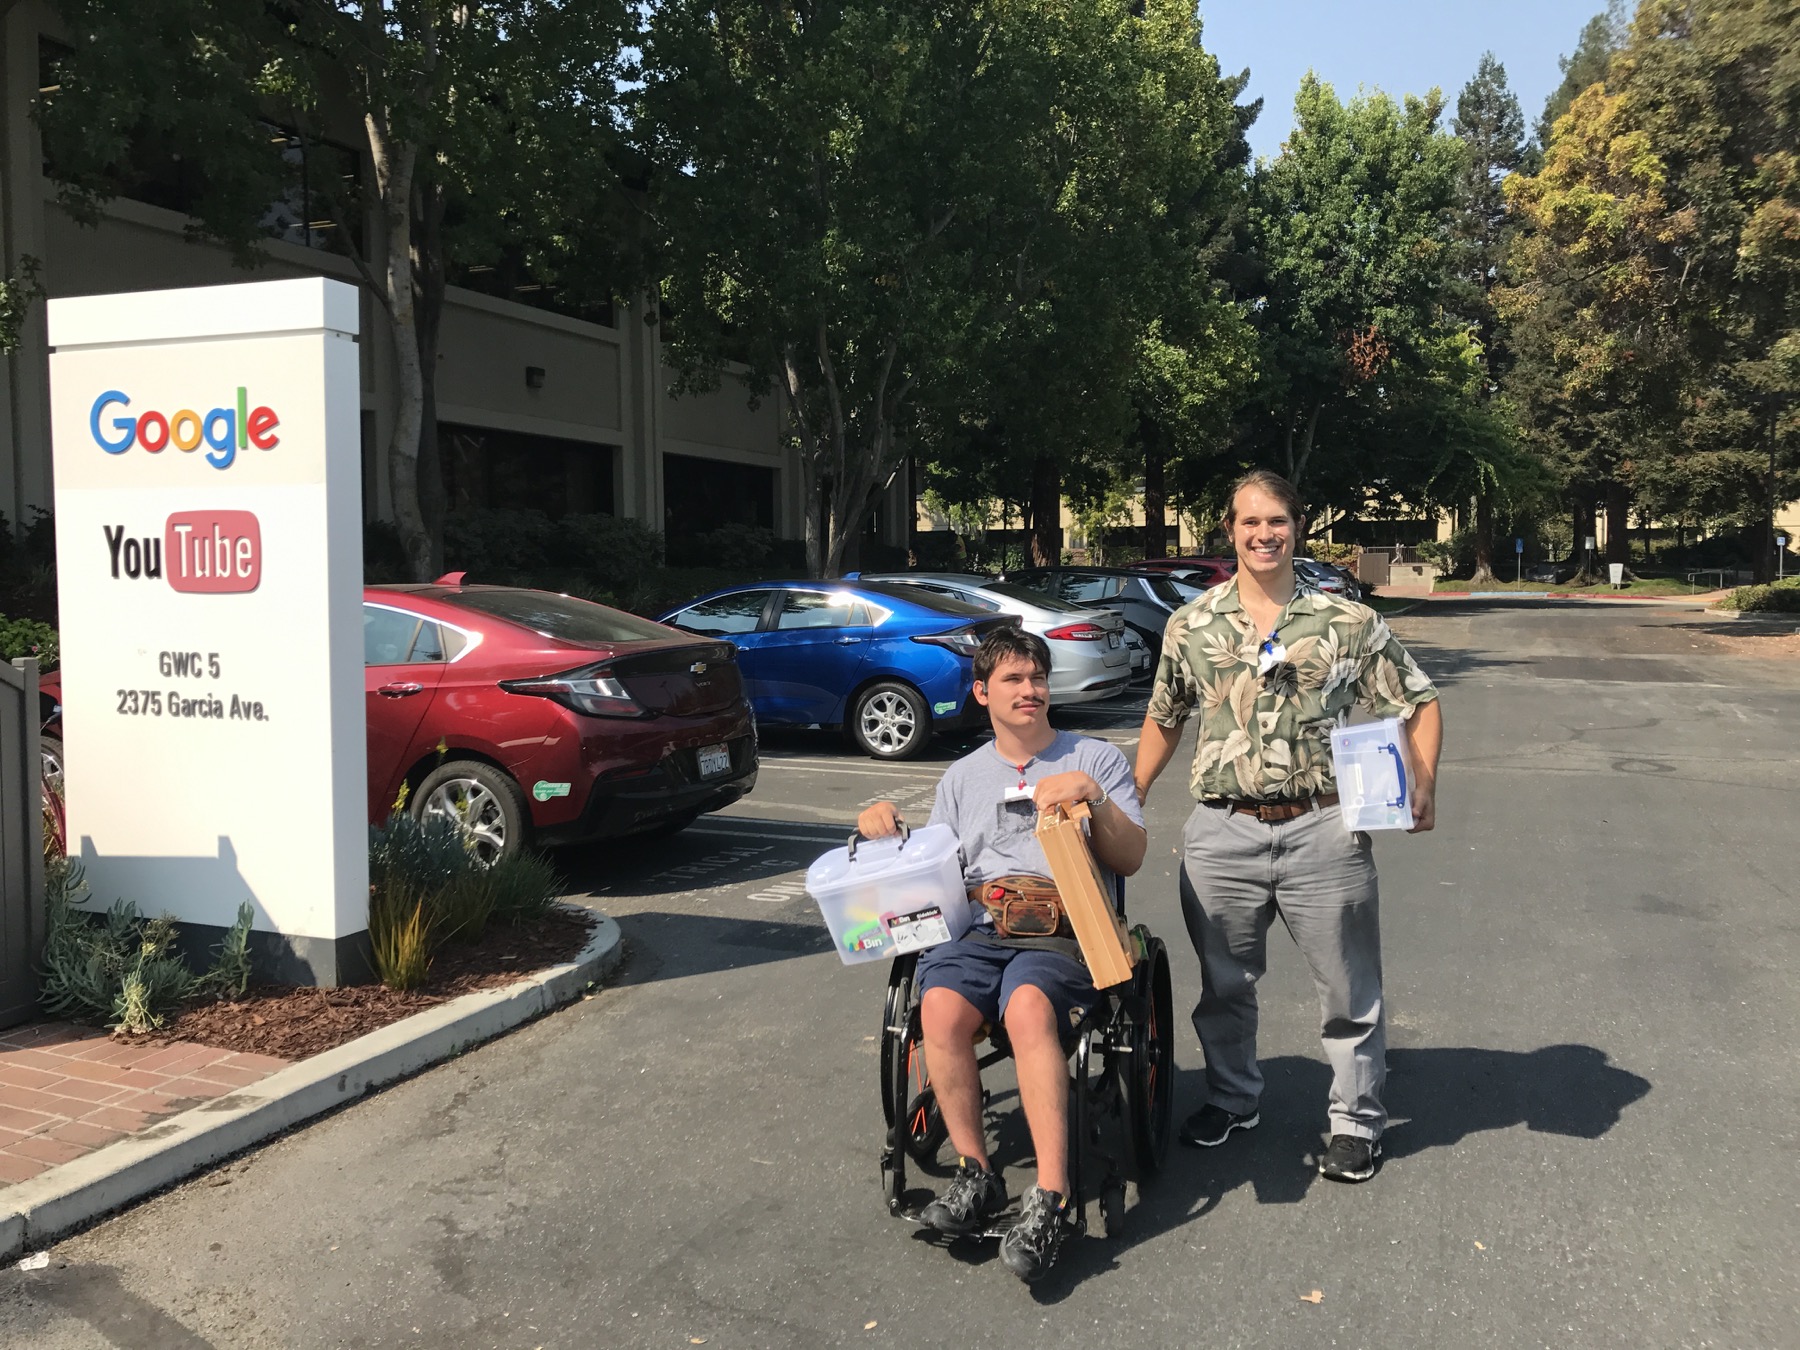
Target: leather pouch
(1024,906)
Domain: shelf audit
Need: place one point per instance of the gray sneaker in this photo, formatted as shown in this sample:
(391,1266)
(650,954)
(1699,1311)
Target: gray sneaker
(973,1196)
(1030,1246)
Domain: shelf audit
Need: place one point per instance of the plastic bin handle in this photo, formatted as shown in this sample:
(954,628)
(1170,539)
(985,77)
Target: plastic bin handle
(857,838)
(1400,772)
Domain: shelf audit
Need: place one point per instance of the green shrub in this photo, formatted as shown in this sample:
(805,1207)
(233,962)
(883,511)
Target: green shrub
(522,887)
(1782,597)
(28,637)
(733,546)
(123,969)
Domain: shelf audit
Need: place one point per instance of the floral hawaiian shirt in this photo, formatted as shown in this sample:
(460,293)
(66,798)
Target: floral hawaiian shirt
(1266,714)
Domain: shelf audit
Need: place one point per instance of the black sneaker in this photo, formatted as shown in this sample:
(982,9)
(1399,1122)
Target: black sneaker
(972,1196)
(1030,1246)
(1212,1125)
(1349,1158)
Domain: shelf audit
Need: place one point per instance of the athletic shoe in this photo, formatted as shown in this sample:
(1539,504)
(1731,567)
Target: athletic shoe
(1030,1246)
(1349,1158)
(974,1194)
(1212,1125)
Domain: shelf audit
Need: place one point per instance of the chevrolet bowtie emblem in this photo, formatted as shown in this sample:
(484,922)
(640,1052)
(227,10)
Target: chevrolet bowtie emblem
(698,668)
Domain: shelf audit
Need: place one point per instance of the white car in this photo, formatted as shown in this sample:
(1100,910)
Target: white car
(1090,658)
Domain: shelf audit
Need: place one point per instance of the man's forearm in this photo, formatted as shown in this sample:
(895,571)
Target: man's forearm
(1118,841)
(1425,736)
(1156,747)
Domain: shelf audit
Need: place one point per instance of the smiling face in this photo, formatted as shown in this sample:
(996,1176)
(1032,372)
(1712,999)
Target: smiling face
(1262,531)
(1016,695)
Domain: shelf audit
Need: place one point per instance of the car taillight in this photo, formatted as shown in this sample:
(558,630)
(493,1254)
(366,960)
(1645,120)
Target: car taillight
(961,641)
(591,689)
(1077,632)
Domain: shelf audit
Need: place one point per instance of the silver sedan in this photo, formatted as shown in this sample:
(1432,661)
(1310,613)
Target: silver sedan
(1088,657)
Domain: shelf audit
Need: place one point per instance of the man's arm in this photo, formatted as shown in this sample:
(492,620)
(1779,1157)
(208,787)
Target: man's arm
(1118,841)
(1156,747)
(1424,739)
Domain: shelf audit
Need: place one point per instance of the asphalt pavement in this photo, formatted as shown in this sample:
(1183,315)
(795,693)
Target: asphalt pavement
(1592,1078)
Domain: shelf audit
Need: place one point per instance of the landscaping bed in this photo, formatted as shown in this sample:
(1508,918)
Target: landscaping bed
(295,1021)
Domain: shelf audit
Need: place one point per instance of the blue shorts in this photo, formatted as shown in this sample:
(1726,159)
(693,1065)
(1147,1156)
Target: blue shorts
(987,975)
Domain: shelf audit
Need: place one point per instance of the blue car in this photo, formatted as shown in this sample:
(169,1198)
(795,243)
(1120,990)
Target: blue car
(890,664)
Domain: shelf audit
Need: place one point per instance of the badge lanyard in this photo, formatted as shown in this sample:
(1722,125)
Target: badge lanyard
(1273,652)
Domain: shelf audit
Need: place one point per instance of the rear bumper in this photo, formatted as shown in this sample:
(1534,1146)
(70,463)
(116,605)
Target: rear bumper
(1115,683)
(970,715)
(629,803)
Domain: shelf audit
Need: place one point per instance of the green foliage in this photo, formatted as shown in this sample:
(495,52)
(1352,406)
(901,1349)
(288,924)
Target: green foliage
(427,888)
(594,555)
(123,969)
(18,292)
(1782,597)
(28,637)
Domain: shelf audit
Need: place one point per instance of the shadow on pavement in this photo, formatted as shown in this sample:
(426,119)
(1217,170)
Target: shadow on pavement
(1437,1097)
(665,946)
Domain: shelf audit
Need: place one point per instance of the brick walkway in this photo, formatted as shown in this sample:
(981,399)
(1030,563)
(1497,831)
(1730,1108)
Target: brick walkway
(68,1090)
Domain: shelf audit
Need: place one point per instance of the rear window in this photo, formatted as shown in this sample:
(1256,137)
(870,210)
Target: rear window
(918,595)
(1165,590)
(559,616)
(1008,590)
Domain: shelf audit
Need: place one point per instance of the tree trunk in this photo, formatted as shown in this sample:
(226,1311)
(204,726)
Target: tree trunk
(1156,500)
(1046,512)
(1484,536)
(1618,524)
(394,165)
(428,265)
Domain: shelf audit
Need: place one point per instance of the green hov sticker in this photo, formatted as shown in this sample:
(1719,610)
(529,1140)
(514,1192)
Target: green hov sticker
(941,708)
(545,791)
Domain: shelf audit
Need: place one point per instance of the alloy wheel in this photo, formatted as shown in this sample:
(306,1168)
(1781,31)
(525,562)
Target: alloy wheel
(476,811)
(888,723)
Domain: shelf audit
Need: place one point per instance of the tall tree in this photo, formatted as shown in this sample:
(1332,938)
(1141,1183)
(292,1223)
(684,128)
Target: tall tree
(1491,128)
(482,125)
(1351,228)
(1601,36)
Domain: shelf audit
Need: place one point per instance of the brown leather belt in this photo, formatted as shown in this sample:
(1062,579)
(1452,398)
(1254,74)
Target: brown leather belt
(1273,813)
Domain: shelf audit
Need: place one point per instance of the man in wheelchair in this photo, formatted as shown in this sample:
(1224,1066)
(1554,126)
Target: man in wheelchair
(991,799)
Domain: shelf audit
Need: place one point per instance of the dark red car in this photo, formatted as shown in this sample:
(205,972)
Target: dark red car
(533,716)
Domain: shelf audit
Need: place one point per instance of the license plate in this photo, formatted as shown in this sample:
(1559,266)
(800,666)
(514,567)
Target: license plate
(1113,639)
(715,760)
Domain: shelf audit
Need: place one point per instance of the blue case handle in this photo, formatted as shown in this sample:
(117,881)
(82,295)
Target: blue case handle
(1400,772)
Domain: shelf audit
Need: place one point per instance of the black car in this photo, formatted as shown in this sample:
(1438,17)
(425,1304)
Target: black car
(1549,573)
(1144,598)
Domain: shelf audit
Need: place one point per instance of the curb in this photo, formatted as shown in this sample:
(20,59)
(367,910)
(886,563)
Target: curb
(34,1212)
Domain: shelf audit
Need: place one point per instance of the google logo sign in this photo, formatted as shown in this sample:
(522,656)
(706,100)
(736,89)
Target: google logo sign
(224,431)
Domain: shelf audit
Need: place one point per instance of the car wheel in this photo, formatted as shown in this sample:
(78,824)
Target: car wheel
(50,751)
(890,721)
(482,801)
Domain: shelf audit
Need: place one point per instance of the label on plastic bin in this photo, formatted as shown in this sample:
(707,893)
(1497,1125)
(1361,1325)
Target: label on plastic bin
(916,931)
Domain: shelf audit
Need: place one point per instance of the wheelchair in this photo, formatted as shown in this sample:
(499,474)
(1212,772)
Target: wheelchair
(1121,1086)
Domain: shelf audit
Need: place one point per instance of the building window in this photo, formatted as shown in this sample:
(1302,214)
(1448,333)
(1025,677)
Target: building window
(508,278)
(484,467)
(701,495)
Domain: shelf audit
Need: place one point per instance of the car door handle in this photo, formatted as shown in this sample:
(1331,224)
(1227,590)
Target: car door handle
(848,641)
(400,690)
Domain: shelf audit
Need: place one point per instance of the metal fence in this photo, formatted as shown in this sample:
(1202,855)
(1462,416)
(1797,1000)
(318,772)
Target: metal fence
(21,841)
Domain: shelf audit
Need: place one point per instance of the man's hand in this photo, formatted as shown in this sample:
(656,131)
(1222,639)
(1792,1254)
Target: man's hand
(1424,806)
(1063,789)
(879,821)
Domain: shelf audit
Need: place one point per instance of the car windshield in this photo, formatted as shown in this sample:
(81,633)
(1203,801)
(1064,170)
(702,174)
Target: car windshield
(559,616)
(1007,590)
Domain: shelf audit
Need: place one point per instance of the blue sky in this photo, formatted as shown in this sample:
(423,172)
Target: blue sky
(1399,46)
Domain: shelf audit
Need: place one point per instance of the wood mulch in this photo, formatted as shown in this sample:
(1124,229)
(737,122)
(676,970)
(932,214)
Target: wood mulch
(295,1021)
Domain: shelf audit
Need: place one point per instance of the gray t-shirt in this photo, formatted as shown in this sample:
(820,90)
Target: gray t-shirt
(999,837)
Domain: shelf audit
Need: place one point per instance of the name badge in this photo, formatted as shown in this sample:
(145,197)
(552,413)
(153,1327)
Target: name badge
(1018,794)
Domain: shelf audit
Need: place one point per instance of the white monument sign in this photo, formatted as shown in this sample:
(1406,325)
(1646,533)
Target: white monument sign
(209,564)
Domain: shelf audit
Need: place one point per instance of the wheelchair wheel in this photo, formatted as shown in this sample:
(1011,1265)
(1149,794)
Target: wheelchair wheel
(899,1031)
(1151,1073)
(925,1128)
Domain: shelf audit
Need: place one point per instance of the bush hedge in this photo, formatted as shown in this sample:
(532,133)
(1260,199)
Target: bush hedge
(1782,597)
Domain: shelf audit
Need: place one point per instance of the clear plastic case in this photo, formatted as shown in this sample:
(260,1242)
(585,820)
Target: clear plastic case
(1370,761)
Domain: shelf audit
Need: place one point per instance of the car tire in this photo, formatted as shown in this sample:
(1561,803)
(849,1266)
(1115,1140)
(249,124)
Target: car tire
(890,721)
(483,800)
(51,754)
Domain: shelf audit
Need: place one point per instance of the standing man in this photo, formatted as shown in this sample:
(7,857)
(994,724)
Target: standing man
(1272,665)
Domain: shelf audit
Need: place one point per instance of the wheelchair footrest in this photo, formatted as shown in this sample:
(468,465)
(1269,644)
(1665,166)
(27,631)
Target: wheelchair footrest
(995,1228)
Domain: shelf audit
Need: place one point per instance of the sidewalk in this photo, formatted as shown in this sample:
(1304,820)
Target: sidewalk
(89,1124)
(67,1090)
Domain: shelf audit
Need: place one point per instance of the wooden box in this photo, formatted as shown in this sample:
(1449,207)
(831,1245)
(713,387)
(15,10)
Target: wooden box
(1086,895)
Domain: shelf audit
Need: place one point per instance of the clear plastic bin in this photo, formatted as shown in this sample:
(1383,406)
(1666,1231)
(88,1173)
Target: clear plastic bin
(1370,762)
(886,897)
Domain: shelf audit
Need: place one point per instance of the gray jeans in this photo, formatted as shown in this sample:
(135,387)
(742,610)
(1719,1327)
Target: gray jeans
(1237,875)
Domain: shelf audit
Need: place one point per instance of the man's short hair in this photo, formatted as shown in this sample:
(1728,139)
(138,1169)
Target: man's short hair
(1264,480)
(1010,644)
